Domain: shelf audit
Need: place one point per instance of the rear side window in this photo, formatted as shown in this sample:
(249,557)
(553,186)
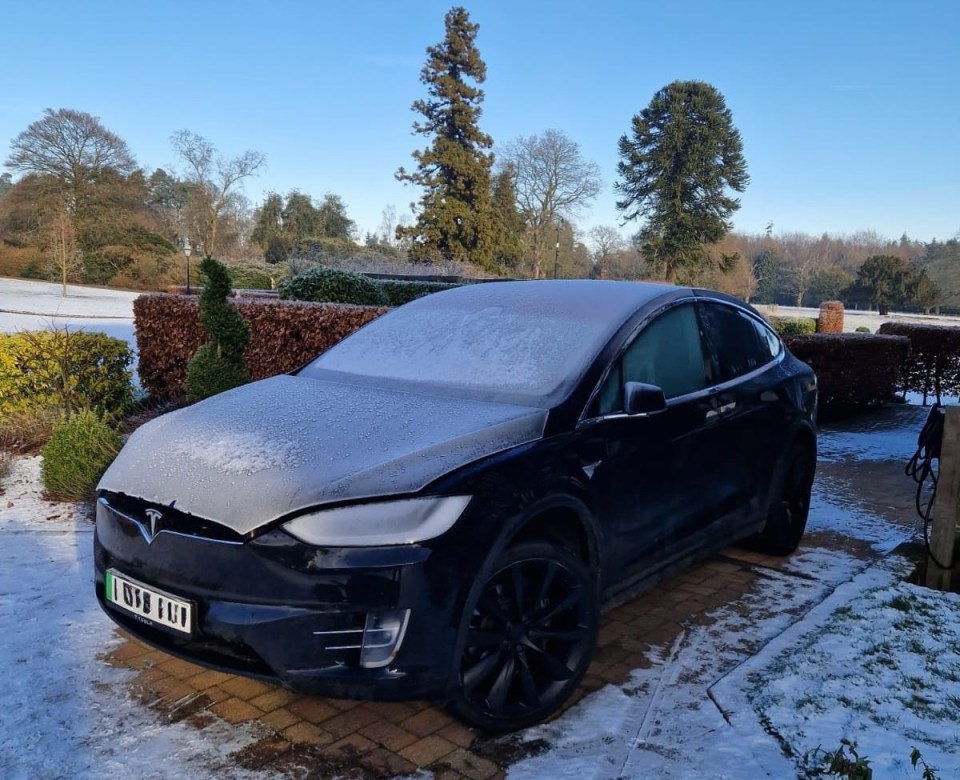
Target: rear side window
(740,343)
(666,353)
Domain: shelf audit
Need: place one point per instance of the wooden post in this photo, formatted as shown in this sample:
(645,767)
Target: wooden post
(946,507)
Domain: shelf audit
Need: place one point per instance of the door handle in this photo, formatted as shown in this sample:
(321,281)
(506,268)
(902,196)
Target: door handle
(713,414)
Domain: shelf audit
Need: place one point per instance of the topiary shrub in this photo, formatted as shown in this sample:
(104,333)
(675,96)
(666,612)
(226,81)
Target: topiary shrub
(65,370)
(831,317)
(81,447)
(793,326)
(219,364)
(329,285)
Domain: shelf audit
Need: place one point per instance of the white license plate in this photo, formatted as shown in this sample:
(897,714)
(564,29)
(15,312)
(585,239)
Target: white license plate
(149,605)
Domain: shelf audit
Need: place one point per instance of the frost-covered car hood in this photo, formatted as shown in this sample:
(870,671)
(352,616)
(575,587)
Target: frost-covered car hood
(248,456)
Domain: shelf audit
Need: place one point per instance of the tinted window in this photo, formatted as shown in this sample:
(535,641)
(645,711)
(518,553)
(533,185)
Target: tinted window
(666,353)
(740,343)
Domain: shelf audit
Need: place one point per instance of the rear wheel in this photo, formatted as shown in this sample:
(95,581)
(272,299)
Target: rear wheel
(527,637)
(790,503)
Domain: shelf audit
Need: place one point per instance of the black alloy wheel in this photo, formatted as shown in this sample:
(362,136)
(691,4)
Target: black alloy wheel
(790,503)
(529,634)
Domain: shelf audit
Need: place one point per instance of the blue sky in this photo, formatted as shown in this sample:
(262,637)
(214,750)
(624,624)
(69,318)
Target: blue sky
(849,110)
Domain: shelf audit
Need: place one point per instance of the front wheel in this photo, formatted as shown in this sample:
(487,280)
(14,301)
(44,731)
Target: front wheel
(527,637)
(789,503)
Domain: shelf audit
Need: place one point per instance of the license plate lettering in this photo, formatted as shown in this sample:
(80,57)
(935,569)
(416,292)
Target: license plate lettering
(148,604)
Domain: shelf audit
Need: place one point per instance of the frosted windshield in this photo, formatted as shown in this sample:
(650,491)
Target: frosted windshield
(489,340)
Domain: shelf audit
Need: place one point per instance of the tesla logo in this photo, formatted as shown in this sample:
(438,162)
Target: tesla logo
(154,517)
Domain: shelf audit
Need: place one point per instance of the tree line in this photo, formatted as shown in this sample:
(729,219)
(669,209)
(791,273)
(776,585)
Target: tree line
(82,209)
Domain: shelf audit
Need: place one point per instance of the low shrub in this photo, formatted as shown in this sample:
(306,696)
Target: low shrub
(26,432)
(853,369)
(863,329)
(69,370)
(329,285)
(81,447)
(793,326)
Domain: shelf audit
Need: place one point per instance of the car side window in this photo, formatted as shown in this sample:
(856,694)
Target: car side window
(667,353)
(739,342)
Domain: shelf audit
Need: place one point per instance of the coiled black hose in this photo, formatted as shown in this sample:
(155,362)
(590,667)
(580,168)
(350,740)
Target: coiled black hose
(920,468)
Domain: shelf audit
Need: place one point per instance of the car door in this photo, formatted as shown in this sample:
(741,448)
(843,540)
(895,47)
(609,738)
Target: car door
(744,354)
(657,479)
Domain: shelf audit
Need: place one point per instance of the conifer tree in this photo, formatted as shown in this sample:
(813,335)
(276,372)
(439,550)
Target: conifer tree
(220,364)
(677,167)
(454,216)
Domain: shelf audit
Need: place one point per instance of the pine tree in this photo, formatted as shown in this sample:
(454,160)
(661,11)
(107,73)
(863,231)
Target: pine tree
(508,245)
(676,168)
(454,170)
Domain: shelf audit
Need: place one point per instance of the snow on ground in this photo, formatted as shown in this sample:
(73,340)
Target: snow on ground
(829,647)
(63,711)
(31,305)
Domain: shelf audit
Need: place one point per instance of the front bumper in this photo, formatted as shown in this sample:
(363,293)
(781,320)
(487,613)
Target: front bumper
(280,610)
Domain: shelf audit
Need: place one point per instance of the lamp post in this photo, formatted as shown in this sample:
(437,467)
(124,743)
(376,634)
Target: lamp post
(556,253)
(186,254)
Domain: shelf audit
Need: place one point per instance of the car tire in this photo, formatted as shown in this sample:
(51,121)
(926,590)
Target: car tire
(789,502)
(526,637)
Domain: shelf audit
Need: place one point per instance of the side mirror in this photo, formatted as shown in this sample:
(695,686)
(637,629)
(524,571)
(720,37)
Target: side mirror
(640,398)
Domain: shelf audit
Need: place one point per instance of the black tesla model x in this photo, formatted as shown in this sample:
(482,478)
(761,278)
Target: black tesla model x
(441,505)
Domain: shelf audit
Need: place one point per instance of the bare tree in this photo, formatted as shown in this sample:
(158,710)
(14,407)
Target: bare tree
(72,147)
(552,181)
(388,226)
(605,240)
(215,180)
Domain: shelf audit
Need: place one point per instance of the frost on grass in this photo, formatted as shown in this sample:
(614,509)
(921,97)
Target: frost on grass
(882,671)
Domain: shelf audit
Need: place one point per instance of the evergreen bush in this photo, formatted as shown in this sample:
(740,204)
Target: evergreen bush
(793,326)
(401,291)
(81,447)
(329,285)
(219,364)
(66,370)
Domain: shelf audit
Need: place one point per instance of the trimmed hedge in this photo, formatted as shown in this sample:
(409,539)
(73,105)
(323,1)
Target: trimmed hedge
(283,336)
(831,317)
(933,366)
(399,292)
(853,369)
(330,285)
(69,370)
(793,326)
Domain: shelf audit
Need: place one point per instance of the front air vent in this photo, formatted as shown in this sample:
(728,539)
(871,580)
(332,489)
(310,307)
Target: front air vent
(153,519)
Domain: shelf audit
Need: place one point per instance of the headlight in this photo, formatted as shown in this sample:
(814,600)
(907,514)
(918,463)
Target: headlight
(386,522)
